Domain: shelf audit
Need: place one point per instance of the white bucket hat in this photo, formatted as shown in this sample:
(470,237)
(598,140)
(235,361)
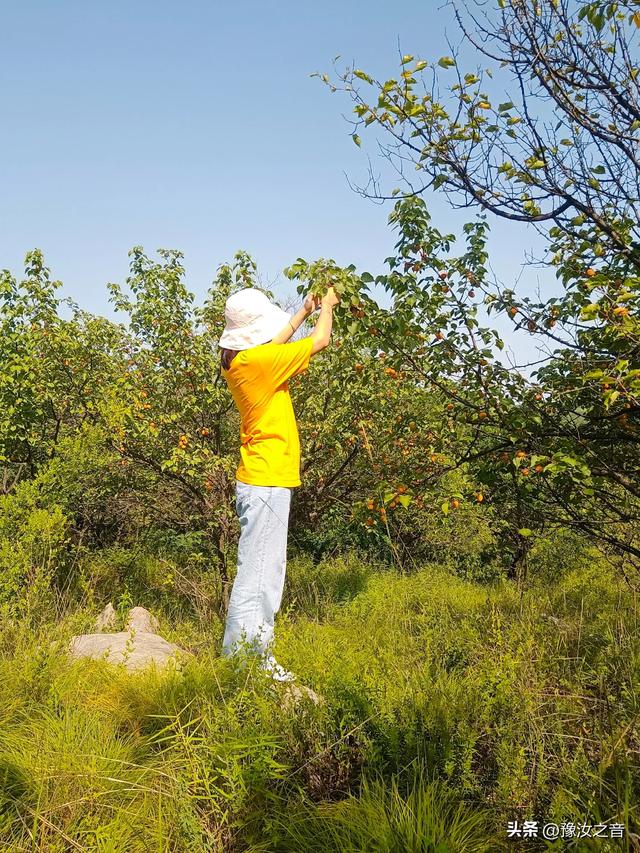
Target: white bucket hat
(251,319)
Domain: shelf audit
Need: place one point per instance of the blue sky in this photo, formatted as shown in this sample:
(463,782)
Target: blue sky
(197,126)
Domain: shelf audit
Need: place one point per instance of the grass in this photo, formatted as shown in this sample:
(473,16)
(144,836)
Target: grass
(450,708)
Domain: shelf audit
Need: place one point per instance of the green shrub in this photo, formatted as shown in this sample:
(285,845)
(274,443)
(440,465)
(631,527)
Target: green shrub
(34,551)
(429,818)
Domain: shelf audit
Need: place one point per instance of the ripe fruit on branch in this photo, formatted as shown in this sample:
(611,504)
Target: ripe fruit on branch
(591,272)
(479,497)
(455,503)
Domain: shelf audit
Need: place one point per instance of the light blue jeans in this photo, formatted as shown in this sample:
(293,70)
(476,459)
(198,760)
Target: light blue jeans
(255,599)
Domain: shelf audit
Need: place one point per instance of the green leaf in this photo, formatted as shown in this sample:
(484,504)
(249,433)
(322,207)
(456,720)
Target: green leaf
(446,62)
(524,531)
(356,139)
(362,75)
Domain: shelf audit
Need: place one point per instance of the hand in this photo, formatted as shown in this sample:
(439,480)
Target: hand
(311,303)
(331,298)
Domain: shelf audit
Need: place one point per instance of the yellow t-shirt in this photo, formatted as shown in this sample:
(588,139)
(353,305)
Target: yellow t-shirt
(258,380)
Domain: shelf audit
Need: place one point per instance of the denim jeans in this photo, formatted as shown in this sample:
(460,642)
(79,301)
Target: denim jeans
(255,599)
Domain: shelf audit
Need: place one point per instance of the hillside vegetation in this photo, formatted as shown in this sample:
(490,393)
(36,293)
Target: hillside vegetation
(450,708)
(465,547)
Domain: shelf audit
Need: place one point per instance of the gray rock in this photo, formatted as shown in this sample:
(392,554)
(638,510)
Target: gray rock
(293,694)
(136,650)
(142,621)
(106,621)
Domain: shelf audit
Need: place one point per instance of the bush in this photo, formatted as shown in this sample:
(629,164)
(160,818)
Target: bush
(34,551)
(428,818)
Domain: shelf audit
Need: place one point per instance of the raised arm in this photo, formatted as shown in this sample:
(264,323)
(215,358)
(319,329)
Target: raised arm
(321,334)
(310,305)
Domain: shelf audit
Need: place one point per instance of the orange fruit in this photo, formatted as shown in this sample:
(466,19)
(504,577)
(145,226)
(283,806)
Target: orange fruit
(455,503)
(591,272)
(479,497)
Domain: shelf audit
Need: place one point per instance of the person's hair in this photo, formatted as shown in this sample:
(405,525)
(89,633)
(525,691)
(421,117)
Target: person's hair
(227,356)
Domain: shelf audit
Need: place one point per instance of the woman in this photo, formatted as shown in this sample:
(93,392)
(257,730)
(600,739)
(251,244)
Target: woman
(257,363)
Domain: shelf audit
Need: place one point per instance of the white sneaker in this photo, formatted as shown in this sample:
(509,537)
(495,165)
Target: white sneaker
(278,673)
